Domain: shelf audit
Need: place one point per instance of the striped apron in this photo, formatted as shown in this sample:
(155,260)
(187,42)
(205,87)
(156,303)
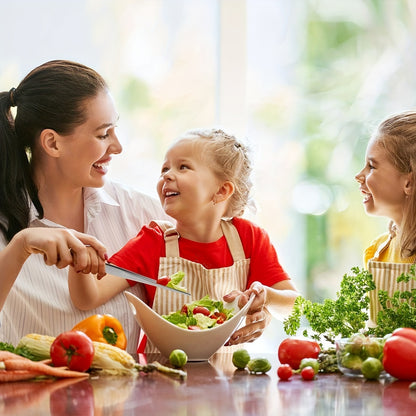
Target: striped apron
(198,280)
(385,277)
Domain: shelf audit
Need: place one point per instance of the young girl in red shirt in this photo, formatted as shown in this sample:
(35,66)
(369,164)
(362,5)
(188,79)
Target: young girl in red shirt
(205,186)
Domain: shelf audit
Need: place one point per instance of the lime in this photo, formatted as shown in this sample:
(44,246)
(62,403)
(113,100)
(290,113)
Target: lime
(241,358)
(178,358)
(371,368)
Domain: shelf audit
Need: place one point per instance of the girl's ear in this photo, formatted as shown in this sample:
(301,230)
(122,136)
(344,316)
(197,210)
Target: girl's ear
(49,142)
(408,185)
(224,192)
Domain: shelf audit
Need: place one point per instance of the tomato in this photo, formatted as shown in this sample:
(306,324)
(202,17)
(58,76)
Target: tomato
(284,372)
(293,350)
(308,373)
(72,349)
(220,317)
(184,309)
(399,354)
(201,309)
(164,280)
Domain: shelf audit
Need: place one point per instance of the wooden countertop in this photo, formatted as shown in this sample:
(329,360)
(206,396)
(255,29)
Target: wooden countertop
(211,388)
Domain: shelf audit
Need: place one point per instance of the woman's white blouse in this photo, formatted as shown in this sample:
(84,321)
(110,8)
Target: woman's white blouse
(39,301)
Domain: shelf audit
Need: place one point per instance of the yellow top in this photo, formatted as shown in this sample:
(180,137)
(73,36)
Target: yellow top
(390,254)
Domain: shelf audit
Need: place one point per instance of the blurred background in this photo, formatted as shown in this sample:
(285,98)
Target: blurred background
(303,82)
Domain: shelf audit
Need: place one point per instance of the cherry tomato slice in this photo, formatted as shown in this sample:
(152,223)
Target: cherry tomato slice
(220,317)
(201,309)
(164,280)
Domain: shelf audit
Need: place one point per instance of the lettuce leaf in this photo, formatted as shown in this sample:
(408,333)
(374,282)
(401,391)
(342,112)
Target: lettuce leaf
(204,322)
(175,279)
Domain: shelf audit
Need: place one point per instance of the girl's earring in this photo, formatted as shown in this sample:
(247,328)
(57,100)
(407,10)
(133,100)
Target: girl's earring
(214,202)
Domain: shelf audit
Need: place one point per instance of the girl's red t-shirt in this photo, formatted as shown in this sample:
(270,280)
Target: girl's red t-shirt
(142,253)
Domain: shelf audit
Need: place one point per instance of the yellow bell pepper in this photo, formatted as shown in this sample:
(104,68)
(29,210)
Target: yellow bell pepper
(103,328)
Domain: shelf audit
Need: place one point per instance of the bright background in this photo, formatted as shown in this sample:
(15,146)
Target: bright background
(304,82)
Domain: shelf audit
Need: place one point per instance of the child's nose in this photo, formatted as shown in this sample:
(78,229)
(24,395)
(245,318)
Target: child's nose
(167,175)
(359,177)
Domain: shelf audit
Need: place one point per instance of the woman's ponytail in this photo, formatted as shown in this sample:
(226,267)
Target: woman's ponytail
(14,173)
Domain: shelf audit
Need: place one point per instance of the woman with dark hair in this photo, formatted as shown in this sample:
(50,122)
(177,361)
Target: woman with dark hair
(55,148)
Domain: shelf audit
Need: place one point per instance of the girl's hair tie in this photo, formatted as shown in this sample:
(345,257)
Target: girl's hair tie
(11,97)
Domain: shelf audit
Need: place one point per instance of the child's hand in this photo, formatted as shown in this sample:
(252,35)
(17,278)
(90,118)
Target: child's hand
(91,263)
(257,317)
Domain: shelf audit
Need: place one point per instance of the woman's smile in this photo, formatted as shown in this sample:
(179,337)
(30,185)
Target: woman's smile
(102,167)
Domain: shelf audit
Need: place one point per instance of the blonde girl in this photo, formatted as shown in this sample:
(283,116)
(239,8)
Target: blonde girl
(205,186)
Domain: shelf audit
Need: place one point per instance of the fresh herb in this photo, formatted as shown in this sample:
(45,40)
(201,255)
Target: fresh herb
(348,314)
(343,316)
(398,310)
(22,350)
(5,346)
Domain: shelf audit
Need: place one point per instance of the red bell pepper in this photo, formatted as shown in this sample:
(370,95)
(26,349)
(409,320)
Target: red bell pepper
(399,354)
(293,350)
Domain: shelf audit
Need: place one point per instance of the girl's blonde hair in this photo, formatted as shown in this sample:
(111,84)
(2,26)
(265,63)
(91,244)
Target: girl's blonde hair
(230,161)
(397,135)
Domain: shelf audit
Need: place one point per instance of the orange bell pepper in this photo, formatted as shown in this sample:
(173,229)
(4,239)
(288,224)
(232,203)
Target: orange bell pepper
(103,328)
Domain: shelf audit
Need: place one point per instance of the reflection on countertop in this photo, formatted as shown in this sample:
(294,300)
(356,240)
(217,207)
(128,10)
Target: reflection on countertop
(211,388)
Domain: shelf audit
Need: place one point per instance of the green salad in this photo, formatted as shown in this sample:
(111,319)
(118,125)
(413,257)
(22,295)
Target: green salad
(205,313)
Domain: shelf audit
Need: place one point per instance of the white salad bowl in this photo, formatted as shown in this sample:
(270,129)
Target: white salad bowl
(198,345)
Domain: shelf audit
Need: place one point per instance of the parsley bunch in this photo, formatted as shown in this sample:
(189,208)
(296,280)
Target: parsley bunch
(344,316)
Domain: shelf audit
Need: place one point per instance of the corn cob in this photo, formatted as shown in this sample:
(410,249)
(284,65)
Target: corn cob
(112,360)
(108,359)
(38,345)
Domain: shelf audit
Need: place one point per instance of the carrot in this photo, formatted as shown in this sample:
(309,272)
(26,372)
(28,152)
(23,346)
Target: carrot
(18,365)
(7,355)
(13,367)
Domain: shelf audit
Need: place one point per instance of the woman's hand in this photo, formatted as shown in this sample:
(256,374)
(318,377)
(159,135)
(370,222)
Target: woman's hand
(59,246)
(258,317)
(63,247)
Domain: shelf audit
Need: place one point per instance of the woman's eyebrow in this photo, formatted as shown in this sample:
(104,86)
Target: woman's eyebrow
(105,125)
